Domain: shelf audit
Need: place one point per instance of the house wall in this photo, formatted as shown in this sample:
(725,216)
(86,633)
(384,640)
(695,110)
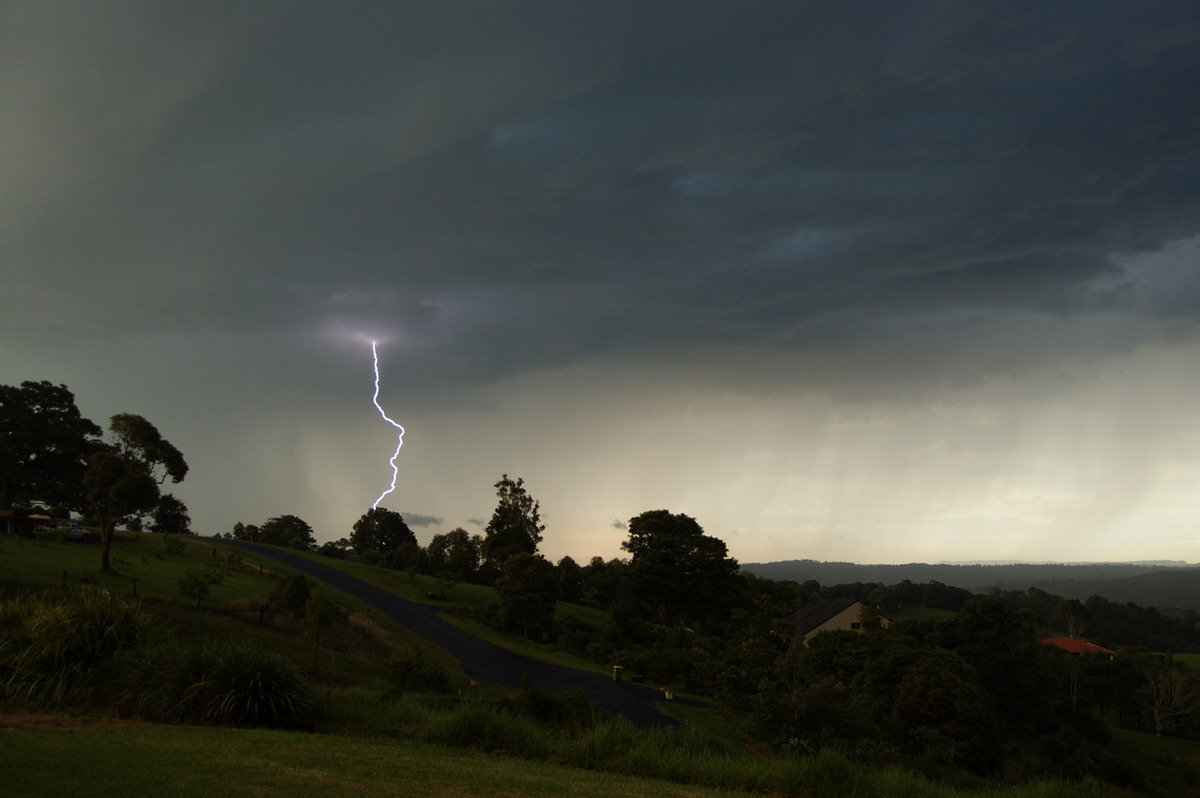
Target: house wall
(847,619)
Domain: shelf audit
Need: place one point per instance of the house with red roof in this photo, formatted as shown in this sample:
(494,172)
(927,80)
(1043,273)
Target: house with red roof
(1073,646)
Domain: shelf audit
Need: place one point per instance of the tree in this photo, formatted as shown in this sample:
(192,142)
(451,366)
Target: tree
(44,446)
(248,532)
(1172,693)
(456,554)
(681,573)
(335,549)
(570,580)
(197,583)
(1075,617)
(528,591)
(515,527)
(320,615)
(289,531)
(381,531)
(124,475)
(171,516)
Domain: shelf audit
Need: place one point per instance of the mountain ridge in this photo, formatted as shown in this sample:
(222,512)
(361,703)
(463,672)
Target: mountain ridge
(1165,584)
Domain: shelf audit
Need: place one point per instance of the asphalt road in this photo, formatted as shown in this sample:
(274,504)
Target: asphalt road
(480,659)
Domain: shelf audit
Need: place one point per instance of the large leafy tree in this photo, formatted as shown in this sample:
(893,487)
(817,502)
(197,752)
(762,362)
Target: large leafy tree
(171,516)
(288,530)
(528,589)
(680,573)
(44,446)
(515,527)
(381,530)
(455,554)
(124,476)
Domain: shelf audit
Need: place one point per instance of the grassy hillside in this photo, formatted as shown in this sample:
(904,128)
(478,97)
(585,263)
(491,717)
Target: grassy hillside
(377,740)
(358,651)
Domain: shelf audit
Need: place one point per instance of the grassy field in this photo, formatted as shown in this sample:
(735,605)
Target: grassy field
(145,760)
(357,652)
(135,760)
(141,566)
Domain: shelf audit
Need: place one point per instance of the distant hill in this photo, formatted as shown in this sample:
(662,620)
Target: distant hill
(1165,585)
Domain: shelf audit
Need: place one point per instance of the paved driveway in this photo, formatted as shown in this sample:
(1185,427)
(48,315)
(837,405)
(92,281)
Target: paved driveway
(481,660)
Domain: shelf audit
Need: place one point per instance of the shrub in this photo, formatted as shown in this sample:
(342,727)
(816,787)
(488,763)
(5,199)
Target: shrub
(477,726)
(296,592)
(571,710)
(46,646)
(197,583)
(359,709)
(224,682)
(169,544)
(412,673)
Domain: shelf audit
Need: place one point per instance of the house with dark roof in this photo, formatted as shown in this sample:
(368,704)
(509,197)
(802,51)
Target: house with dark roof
(828,616)
(1073,646)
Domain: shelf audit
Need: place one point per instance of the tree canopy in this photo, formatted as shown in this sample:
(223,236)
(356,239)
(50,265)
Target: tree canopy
(381,530)
(515,527)
(44,446)
(528,589)
(123,477)
(680,573)
(171,516)
(288,530)
(455,554)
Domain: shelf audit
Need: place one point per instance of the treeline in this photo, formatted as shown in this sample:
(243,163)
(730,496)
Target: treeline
(1173,586)
(976,691)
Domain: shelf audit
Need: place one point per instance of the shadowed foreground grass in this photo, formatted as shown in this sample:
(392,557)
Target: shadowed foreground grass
(181,761)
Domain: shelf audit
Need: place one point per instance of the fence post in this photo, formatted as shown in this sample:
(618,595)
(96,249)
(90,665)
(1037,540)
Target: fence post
(135,587)
(64,577)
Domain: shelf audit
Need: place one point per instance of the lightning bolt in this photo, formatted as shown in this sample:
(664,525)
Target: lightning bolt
(399,436)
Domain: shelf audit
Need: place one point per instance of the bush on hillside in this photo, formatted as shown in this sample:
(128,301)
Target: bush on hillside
(48,645)
(223,682)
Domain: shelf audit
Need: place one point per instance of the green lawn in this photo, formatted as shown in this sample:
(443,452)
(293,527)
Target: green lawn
(182,761)
(140,565)
(1191,660)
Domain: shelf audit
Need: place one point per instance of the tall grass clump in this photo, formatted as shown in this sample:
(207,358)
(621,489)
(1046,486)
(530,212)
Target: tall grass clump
(477,726)
(830,773)
(677,754)
(361,709)
(215,681)
(48,645)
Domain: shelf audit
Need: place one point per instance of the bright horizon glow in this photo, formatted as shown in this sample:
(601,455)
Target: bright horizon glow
(399,436)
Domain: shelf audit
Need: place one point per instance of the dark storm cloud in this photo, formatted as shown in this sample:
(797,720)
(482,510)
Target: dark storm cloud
(512,188)
(416,519)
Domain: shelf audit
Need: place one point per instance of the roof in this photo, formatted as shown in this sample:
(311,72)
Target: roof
(806,619)
(1073,646)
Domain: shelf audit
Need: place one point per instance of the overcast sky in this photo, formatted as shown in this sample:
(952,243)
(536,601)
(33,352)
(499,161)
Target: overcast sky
(869,281)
